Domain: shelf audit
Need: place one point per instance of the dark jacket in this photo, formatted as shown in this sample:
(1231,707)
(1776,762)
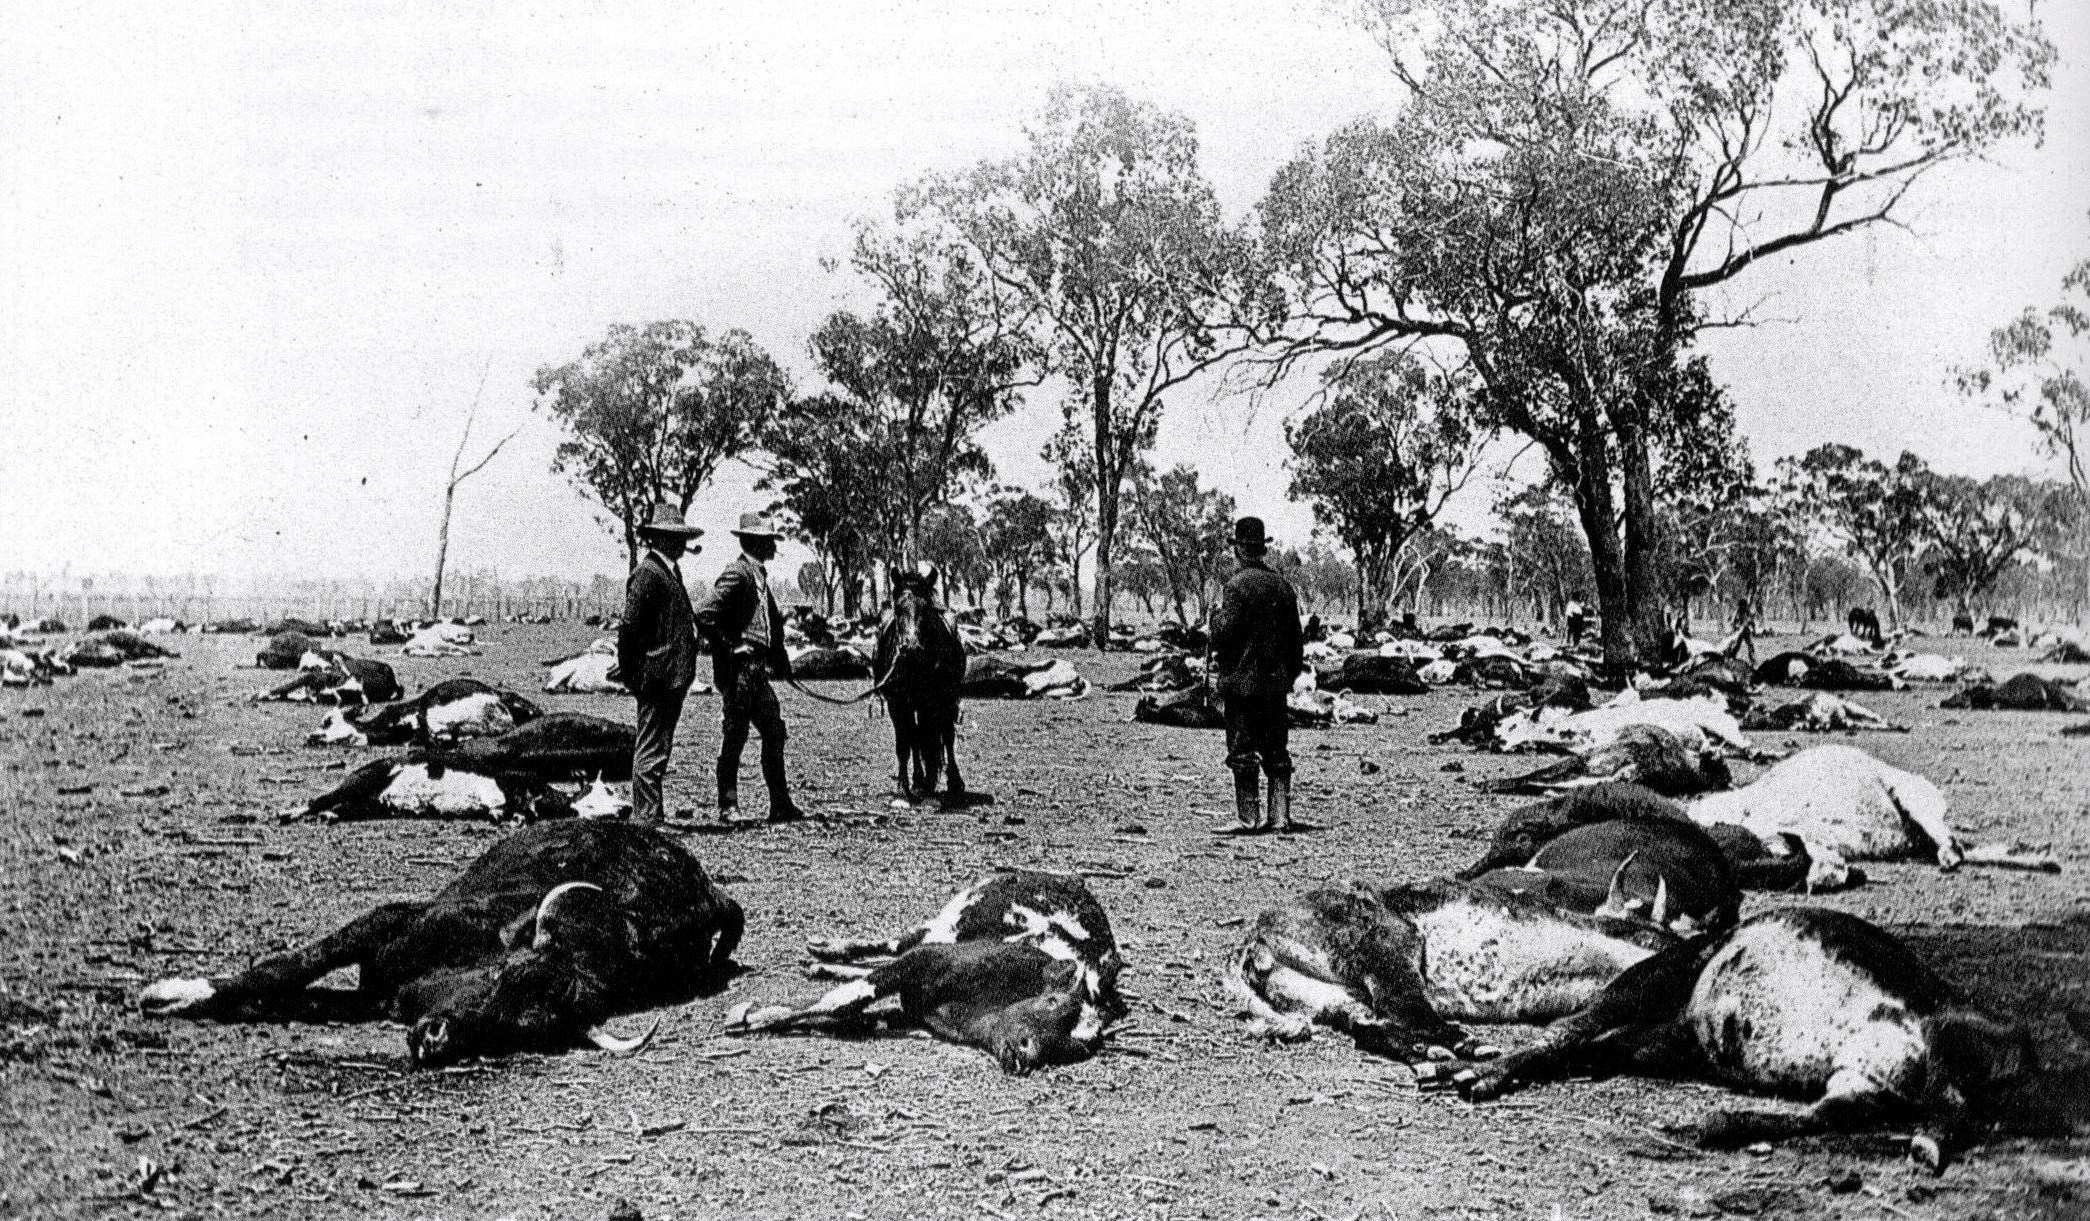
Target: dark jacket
(657,642)
(1257,644)
(724,618)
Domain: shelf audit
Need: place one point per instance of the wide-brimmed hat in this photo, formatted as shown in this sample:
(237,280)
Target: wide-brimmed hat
(756,525)
(1248,532)
(667,519)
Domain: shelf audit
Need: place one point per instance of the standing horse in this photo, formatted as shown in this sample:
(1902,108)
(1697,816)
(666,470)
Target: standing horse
(920,665)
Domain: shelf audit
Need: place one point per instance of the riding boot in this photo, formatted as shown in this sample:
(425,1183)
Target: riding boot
(728,788)
(1246,806)
(781,807)
(1280,801)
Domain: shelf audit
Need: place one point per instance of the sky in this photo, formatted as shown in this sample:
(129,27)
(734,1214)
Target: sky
(258,258)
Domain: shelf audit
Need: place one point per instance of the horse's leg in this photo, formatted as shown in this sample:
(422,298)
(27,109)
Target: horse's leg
(903,744)
(948,738)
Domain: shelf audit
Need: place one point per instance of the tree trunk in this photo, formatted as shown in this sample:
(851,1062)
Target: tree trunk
(1641,551)
(442,553)
(1106,537)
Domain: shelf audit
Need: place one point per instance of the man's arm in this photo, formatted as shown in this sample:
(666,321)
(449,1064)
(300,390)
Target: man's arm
(635,635)
(723,617)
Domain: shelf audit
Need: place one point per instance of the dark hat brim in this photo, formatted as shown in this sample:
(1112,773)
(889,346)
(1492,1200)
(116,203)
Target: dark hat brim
(684,531)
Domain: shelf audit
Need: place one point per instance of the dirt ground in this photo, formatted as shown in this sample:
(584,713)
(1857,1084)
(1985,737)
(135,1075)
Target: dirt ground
(138,839)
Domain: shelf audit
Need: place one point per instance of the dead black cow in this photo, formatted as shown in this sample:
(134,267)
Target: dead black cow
(2020,693)
(1021,964)
(1527,832)
(1805,1002)
(556,746)
(550,932)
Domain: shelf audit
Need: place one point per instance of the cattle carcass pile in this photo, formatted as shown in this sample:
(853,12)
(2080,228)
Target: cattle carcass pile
(1533,870)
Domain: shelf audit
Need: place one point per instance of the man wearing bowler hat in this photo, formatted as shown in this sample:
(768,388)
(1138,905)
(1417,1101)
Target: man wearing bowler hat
(1257,649)
(745,629)
(657,652)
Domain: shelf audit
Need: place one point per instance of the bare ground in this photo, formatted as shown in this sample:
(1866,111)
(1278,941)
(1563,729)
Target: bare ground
(138,837)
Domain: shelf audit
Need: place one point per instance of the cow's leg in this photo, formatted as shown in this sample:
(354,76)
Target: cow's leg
(836,1008)
(1637,1006)
(281,976)
(1851,1101)
(852,949)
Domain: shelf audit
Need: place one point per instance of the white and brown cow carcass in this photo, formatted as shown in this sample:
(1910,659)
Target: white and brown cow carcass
(1396,968)
(1022,964)
(1802,1002)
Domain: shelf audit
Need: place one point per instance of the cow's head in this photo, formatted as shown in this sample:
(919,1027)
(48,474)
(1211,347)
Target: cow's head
(337,730)
(547,992)
(1060,1025)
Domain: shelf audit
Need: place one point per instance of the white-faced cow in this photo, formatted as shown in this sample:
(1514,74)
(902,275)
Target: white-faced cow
(551,931)
(1803,1002)
(1395,967)
(1021,964)
(452,709)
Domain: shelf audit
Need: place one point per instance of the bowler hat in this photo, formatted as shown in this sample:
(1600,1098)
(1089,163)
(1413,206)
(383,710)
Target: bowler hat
(1248,532)
(755,525)
(667,519)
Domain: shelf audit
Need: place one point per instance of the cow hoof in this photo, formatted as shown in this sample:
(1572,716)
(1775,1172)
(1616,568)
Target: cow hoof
(1431,1051)
(1470,1050)
(1926,1152)
(828,949)
(1724,1130)
(173,996)
(1477,1087)
(1433,1077)
(1286,1028)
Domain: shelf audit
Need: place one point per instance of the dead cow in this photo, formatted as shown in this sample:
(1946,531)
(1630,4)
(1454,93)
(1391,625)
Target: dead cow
(1666,871)
(551,931)
(2021,693)
(555,746)
(1021,964)
(452,709)
(1802,1001)
(329,677)
(1844,805)
(1393,967)
(397,788)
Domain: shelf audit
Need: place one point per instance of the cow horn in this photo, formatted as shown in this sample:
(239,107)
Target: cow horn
(545,905)
(1615,903)
(1660,915)
(611,1043)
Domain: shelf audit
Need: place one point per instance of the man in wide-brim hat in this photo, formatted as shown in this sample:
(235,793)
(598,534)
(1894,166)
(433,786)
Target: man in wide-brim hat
(657,652)
(1258,648)
(745,629)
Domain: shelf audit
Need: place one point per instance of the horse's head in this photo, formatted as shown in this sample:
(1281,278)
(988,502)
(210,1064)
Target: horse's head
(914,604)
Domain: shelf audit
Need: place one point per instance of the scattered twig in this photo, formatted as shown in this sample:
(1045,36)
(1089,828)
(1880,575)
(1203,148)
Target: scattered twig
(200,1120)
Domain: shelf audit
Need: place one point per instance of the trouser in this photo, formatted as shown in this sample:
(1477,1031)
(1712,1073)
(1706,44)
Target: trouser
(747,700)
(649,758)
(1258,730)
(1576,625)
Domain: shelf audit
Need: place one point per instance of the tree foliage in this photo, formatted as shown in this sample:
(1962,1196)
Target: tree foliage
(1187,526)
(651,411)
(1379,459)
(1569,175)
(1105,229)
(1978,529)
(1017,537)
(943,353)
(1875,510)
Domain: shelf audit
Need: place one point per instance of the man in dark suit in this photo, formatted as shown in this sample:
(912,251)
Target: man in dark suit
(1257,650)
(745,630)
(657,653)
